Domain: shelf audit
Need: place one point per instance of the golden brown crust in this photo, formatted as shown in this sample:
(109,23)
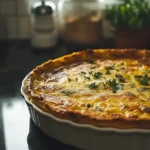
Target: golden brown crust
(67,109)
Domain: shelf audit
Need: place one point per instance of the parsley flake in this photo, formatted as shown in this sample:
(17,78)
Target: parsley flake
(67,92)
(86,77)
(82,72)
(69,80)
(132,85)
(90,61)
(114,85)
(122,63)
(120,78)
(97,75)
(97,108)
(88,105)
(108,72)
(143,89)
(90,73)
(92,85)
(108,68)
(143,80)
(148,71)
(138,77)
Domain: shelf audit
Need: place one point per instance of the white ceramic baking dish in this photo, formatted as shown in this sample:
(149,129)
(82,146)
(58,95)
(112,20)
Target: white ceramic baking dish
(87,136)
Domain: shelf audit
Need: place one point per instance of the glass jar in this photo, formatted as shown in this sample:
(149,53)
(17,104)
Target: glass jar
(80,21)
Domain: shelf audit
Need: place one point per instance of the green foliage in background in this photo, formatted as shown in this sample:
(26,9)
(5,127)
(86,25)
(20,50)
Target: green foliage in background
(133,14)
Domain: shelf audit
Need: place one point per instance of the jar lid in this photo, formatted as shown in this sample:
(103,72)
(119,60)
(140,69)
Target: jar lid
(42,8)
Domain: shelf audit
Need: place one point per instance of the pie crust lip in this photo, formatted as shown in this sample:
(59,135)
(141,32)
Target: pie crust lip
(86,136)
(72,123)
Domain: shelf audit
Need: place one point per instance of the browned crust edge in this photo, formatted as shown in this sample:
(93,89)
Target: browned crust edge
(142,55)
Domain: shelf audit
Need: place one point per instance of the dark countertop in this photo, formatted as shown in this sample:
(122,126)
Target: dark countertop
(19,55)
(17,131)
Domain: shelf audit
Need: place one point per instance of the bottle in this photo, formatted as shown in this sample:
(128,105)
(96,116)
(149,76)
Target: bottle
(44,32)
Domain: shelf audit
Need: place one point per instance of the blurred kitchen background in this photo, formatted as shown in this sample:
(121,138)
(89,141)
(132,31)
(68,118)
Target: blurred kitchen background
(15,22)
(14,19)
(58,27)
(34,31)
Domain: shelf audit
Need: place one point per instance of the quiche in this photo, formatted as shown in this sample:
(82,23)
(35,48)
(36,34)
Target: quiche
(101,87)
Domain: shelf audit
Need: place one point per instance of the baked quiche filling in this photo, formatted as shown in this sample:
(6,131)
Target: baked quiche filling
(100,89)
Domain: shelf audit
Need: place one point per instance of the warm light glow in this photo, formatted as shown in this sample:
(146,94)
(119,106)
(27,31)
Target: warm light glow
(16,124)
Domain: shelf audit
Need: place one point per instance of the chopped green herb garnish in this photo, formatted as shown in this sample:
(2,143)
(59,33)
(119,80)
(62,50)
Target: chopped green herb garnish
(122,63)
(97,75)
(144,80)
(88,105)
(85,76)
(67,92)
(69,79)
(120,78)
(108,68)
(138,76)
(103,84)
(92,85)
(90,72)
(114,85)
(90,61)
(88,78)
(93,67)
(143,89)
(132,85)
(108,72)
(82,72)
(98,108)
(148,71)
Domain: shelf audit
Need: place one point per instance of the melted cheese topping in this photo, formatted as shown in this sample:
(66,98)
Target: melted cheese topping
(105,89)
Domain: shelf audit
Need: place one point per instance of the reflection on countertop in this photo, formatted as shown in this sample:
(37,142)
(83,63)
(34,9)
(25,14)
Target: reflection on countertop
(19,55)
(14,114)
